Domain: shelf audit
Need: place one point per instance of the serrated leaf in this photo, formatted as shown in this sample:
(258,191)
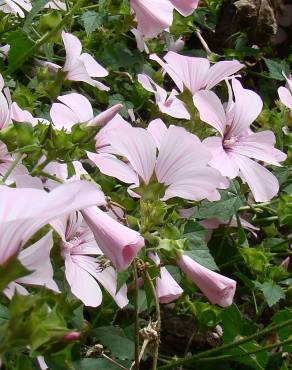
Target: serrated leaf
(276,69)
(198,250)
(91,20)
(122,278)
(19,43)
(231,200)
(116,341)
(271,291)
(10,271)
(37,6)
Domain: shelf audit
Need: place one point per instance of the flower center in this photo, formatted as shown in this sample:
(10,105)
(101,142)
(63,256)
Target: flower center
(228,143)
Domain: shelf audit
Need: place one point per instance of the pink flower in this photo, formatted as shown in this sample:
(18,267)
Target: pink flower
(170,105)
(285,93)
(167,289)
(24,211)
(154,16)
(232,152)
(82,270)
(141,45)
(35,258)
(118,243)
(21,115)
(15,7)
(75,108)
(195,73)
(81,66)
(183,171)
(217,288)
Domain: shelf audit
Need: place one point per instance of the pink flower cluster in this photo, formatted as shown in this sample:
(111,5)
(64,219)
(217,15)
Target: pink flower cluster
(93,242)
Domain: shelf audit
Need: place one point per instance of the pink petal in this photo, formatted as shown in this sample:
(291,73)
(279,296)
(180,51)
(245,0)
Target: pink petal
(185,7)
(119,243)
(73,50)
(82,284)
(151,86)
(263,184)
(93,68)
(174,107)
(221,70)
(167,288)
(138,147)
(104,117)
(221,159)
(152,17)
(24,211)
(27,181)
(211,109)
(285,96)
(157,129)
(4,111)
(112,166)
(246,108)
(108,279)
(63,117)
(36,258)
(217,288)
(79,105)
(259,146)
(189,72)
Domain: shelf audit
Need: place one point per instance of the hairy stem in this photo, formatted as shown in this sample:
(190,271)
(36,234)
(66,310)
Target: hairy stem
(22,58)
(194,358)
(158,318)
(136,318)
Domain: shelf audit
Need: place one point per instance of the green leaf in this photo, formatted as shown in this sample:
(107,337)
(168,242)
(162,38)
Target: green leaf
(285,209)
(4,314)
(285,332)
(19,44)
(10,271)
(276,69)
(116,341)
(231,200)
(256,361)
(91,20)
(96,364)
(232,323)
(271,291)
(198,250)
(256,259)
(122,278)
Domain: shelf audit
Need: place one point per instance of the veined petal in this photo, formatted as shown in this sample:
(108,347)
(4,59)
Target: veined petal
(93,68)
(263,184)
(246,108)
(138,147)
(112,166)
(220,70)
(82,284)
(73,50)
(36,258)
(285,96)
(157,129)
(152,16)
(211,109)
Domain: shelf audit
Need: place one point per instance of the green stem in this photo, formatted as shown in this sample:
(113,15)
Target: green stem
(158,318)
(272,218)
(136,319)
(194,358)
(235,355)
(20,60)
(11,168)
(39,168)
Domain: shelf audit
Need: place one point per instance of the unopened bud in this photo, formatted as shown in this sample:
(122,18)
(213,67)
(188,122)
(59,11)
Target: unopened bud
(106,116)
(71,337)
